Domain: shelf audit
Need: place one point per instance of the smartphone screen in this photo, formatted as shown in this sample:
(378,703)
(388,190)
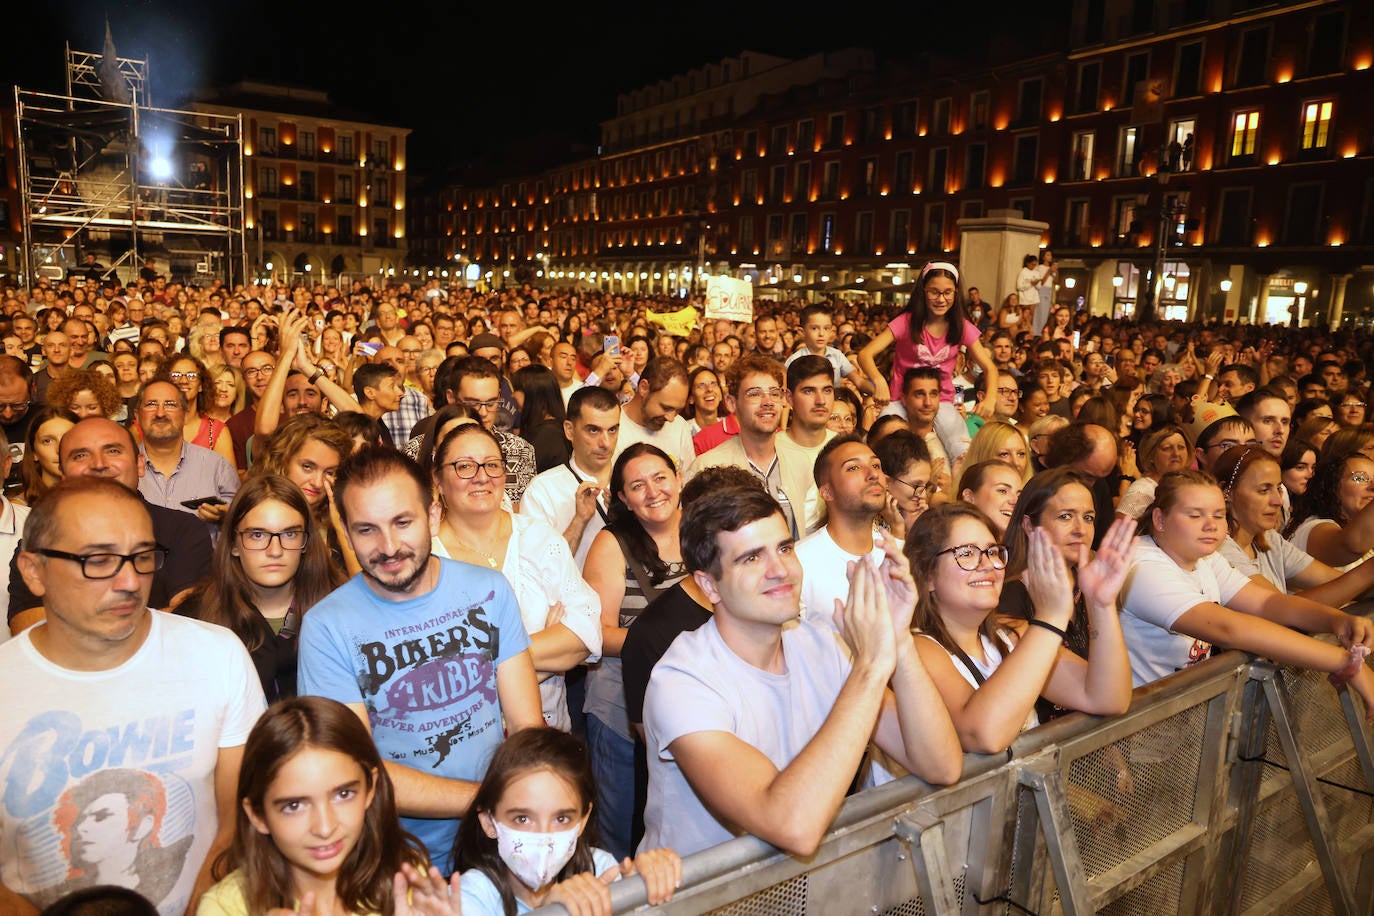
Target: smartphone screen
(611,344)
(1076,335)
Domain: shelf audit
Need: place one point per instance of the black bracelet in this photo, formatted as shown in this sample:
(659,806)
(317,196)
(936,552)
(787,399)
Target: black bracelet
(1035,622)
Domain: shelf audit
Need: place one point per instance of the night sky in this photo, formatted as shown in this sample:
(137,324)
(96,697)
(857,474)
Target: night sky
(475,80)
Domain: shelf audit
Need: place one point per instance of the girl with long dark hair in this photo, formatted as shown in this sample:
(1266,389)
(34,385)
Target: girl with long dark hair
(316,828)
(270,566)
(931,332)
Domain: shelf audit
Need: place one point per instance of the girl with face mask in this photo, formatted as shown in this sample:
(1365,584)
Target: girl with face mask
(527,840)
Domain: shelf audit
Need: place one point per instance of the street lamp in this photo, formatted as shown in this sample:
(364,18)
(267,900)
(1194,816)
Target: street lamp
(1117,281)
(1300,290)
(1226,285)
(1069,282)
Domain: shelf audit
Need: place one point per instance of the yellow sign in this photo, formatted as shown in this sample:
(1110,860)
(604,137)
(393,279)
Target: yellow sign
(679,323)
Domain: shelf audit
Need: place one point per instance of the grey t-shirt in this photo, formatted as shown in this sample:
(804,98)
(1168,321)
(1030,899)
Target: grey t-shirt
(1281,562)
(700,685)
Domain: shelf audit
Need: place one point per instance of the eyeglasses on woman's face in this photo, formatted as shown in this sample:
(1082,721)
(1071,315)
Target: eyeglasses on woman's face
(970,556)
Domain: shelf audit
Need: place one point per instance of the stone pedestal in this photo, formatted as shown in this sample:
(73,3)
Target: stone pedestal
(991,249)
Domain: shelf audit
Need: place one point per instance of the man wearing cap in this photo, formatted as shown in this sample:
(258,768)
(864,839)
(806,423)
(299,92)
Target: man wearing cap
(1216,428)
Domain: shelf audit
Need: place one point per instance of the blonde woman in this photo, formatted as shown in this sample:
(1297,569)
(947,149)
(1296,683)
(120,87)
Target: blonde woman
(1000,441)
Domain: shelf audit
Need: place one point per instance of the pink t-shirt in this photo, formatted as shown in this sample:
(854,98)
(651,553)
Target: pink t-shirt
(928,351)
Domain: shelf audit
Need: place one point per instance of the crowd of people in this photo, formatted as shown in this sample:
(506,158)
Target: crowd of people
(422,599)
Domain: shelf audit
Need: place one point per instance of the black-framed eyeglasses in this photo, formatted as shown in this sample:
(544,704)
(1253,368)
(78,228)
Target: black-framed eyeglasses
(968,556)
(261,538)
(466,468)
(480,406)
(918,490)
(107,565)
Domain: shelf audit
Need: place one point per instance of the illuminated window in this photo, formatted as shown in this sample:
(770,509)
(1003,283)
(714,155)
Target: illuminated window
(1127,150)
(868,177)
(1244,134)
(1316,124)
(1082,164)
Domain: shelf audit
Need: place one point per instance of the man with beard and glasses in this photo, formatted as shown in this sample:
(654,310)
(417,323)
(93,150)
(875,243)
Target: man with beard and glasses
(430,653)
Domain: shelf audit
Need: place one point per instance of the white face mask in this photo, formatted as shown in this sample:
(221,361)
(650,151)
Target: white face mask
(535,858)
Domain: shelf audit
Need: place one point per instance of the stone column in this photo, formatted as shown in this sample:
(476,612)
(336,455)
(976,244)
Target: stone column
(1338,283)
(991,249)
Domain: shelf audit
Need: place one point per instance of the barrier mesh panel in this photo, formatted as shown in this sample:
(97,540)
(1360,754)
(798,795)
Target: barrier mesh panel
(1158,895)
(787,898)
(1347,812)
(1313,705)
(1129,795)
(917,907)
(1279,848)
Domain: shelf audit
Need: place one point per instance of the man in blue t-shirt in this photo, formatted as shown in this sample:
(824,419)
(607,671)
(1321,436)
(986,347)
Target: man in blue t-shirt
(430,653)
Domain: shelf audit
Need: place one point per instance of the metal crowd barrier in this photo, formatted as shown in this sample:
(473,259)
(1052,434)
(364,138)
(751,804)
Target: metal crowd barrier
(1236,786)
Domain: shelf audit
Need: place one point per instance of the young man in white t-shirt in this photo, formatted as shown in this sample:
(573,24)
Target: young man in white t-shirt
(125,727)
(756,723)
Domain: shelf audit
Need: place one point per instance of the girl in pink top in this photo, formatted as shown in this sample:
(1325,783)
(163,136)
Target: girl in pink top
(930,333)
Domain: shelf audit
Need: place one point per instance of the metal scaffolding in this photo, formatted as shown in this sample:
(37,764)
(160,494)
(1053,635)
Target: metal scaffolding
(105,174)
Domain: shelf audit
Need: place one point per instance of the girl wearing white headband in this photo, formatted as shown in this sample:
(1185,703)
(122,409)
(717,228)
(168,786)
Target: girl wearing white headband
(930,333)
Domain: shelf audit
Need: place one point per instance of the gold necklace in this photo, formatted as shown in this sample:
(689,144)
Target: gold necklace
(489,557)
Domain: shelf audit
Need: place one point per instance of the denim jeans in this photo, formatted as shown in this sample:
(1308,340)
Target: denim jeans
(613,767)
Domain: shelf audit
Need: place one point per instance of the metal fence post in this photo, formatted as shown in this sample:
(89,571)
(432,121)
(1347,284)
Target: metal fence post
(1305,784)
(1056,823)
(924,836)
